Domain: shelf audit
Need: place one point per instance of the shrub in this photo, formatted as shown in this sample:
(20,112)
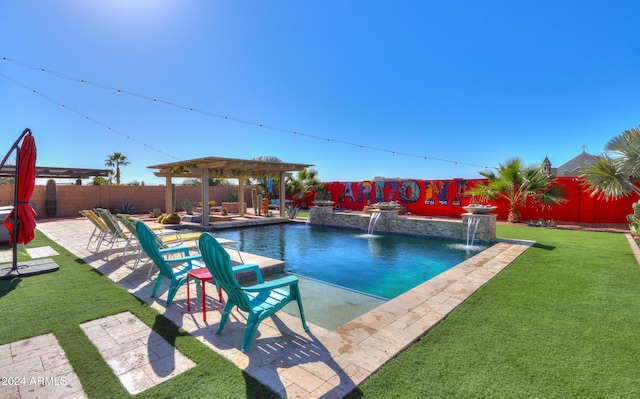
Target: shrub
(188,205)
(125,207)
(173,218)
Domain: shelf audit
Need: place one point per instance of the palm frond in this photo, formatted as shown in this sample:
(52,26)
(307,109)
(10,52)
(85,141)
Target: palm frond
(605,179)
(626,148)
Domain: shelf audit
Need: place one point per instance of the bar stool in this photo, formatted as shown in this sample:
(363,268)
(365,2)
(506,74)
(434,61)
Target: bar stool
(202,275)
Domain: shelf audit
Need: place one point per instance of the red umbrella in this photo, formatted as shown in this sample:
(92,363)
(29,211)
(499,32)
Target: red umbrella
(26,164)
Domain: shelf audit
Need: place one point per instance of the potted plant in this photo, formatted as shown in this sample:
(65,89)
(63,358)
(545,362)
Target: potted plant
(323,197)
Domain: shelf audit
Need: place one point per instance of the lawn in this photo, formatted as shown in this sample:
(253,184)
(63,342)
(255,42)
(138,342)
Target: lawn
(561,321)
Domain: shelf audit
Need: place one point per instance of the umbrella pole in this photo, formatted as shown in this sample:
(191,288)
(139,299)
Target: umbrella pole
(16,220)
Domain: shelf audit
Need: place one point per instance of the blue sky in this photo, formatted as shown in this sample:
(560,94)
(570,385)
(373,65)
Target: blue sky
(465,84)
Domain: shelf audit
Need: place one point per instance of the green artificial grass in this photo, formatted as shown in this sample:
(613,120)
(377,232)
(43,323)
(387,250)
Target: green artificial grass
(59,302)
(559,322)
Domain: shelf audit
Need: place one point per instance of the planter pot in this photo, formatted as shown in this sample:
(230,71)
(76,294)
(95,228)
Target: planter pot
(479,209)
(323,203)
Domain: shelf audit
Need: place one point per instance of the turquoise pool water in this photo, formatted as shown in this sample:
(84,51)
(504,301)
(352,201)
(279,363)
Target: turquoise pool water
(381,265)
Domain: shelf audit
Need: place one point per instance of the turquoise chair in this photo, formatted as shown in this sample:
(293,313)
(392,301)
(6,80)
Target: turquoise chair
(260,301)
(175,269)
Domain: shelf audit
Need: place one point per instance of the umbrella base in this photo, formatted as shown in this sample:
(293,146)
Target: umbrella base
(26,269)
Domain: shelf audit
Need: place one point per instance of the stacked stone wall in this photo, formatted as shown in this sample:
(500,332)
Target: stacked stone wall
(390,222)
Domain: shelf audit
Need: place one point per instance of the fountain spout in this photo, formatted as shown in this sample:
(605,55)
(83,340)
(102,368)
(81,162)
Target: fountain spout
(372,222)
(472,224)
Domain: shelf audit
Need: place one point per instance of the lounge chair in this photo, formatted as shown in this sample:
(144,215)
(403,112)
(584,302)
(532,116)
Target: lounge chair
(115,230)
(100,230)
(165,239)
(260,301)
(175,269)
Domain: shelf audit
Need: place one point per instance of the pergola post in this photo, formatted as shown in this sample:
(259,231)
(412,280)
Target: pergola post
(168,195)
(241,197)
(283,186)
(205,198)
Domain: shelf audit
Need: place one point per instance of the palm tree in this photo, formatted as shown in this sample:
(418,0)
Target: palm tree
(116,160)
(305,181)
(615,177)
(517,183)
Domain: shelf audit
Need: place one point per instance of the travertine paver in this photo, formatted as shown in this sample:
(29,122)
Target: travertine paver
(37,368)
(137,355)
(35,253)
(41,252)
(293,362)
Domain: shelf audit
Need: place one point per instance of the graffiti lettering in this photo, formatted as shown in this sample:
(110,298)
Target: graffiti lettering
(393,192)
(364,192)
(380,191)
(409,192)
(347,192)
(437,191)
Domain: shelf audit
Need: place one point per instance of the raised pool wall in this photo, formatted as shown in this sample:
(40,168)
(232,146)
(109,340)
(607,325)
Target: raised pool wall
(390,222)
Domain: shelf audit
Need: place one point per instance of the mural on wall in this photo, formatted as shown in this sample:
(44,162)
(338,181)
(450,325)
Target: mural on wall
(409,192)
(437,191)
(429,192)
(447,197)
(461,192)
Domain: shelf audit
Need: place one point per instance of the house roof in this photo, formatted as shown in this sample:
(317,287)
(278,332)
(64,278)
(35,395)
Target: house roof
(575,164)
(226,168)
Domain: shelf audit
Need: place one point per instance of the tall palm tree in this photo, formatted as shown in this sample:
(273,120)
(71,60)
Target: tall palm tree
(518,183)
(116,160)
(615,176)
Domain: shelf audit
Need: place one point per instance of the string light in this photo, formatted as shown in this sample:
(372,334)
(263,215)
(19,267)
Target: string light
(224,117)
(84,116)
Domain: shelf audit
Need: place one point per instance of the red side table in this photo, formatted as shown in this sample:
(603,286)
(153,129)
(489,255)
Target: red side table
(203,276)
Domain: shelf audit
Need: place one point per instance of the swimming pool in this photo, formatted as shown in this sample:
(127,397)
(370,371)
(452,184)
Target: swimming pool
(380,265)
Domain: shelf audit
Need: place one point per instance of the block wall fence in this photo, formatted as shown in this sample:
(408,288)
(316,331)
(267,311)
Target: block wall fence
(447,197)
(421,197)
(71,198)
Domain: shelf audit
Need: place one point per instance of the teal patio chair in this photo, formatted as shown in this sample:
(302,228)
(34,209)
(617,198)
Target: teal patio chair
(175,269)
(260,301)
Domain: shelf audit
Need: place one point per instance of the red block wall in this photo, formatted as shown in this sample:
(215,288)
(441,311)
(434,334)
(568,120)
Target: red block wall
(447,197)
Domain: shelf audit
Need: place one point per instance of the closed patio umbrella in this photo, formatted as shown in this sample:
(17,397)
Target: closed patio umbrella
(23,214)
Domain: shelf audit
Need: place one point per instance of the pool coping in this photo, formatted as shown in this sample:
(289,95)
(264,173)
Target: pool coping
(319,362)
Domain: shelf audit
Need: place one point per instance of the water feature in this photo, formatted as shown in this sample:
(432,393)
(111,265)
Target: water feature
(472,224)
(312,210)
(372,221)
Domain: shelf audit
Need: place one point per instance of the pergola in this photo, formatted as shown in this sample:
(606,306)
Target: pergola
(225,168)
(58,172)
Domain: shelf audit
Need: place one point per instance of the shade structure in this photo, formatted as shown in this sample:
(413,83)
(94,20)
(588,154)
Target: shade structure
(23,214)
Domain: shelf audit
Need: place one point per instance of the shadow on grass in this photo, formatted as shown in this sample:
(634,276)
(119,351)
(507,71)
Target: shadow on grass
(543,246)
(6,286)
